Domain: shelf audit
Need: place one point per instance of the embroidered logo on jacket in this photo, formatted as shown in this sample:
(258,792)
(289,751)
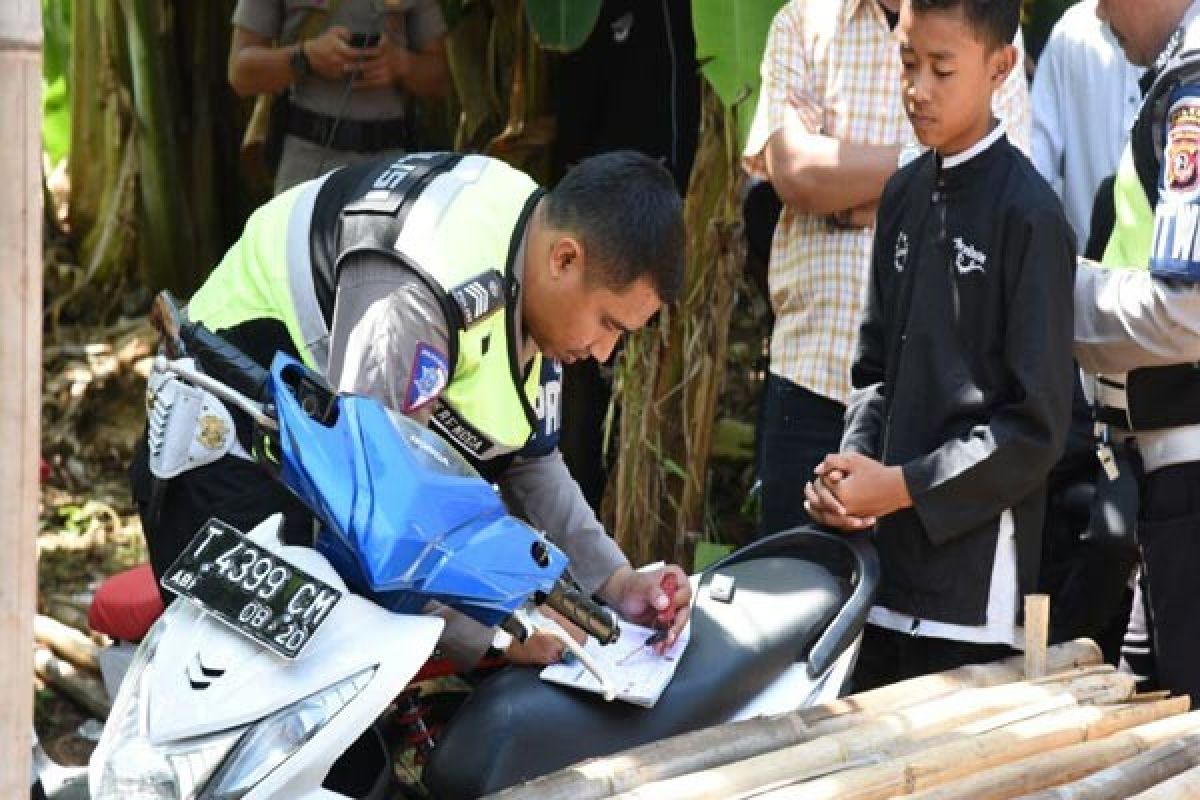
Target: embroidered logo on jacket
(967,257)
(621,27)
(427,379)
(900,257)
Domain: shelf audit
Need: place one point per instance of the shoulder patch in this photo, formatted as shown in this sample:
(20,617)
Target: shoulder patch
(480,297)
(430,373)
(1181,168)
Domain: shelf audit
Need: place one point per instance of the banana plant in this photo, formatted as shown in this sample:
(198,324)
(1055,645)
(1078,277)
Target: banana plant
(562,25)
(671,374)
(730,38)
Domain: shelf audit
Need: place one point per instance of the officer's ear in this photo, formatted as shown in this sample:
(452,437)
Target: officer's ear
(566,257)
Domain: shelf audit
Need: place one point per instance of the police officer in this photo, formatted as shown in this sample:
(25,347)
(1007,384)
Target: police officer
(1137,328)
(351,68)
(449,287)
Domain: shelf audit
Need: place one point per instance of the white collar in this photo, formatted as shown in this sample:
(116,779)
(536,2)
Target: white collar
(950,162)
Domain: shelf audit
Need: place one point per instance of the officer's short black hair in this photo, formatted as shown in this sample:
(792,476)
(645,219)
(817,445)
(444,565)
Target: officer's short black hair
(993,21)
(626,211)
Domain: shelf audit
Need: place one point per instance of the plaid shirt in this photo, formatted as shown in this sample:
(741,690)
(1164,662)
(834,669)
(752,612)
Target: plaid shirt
(835,65)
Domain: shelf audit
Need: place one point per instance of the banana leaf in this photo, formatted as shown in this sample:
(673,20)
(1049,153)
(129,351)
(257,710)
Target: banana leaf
(730,38)
(562,25)
(56,66)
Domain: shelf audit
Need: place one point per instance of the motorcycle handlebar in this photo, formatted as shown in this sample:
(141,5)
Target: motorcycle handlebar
(217,357)
(584,612)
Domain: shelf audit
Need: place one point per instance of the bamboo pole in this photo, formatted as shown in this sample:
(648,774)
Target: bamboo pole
(1132,776)
(946,762)
(1068,764)
(79,686)
(20,366)
(724,744)
(1184,786)
(1037,628)
(1065,656)
(890,734)
(66,642)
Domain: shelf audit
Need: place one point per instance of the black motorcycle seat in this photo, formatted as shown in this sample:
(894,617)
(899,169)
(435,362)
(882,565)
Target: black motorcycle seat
(516,727)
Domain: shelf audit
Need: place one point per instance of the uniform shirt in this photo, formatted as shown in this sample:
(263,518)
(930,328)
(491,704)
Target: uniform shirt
(384,319)
(1085,95)
(411,24)
(963,379)
(1128,319)
(835,65)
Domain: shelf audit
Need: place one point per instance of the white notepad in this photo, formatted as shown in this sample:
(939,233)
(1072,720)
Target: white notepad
(639,673)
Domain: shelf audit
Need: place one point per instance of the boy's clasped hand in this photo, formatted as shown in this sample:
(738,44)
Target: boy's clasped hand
(851,491)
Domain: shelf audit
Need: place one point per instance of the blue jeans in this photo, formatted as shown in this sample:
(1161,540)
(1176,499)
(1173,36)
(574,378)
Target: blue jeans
(797,430)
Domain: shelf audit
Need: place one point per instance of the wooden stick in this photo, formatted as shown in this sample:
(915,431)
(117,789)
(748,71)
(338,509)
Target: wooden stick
(1132,776)
(78,686)
(1037,631)
(1184,786)
(956,759)
(66,642)
(21,368)
(1068,764)
(724,744)
(895,732)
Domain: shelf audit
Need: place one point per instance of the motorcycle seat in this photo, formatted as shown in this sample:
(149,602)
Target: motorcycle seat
(126,605)
(516,727)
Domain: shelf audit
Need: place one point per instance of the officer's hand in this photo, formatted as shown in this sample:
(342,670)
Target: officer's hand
(383,65)
(662,596)
(330,54)
(539,649)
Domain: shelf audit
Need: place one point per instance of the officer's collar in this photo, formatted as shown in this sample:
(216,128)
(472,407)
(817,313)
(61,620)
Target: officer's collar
(1175,41)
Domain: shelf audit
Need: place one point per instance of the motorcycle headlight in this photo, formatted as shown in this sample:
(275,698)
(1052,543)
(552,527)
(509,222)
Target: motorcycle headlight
(126,765)
(271,742)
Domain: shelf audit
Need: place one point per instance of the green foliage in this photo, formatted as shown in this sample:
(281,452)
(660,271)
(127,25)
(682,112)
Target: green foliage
(562,25)
(709,553)
(730,38)
(56,67)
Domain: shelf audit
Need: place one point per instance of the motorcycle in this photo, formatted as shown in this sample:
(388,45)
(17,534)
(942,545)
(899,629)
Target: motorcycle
(265,678)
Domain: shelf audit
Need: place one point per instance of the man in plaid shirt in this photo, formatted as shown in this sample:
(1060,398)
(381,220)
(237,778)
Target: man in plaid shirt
(828,133)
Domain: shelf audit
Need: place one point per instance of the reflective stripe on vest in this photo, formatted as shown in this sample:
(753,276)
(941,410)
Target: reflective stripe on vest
(252,280)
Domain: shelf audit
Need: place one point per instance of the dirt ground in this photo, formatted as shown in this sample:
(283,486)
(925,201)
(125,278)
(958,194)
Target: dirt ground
(93,384)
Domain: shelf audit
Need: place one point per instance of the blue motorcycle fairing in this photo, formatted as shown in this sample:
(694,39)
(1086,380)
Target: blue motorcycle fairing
(405,518)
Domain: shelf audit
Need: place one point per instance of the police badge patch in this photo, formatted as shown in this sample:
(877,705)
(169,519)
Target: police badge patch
(428,378)
(1181,173)
(1175,247)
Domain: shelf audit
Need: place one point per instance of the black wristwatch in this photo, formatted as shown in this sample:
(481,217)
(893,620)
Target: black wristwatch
(301,67)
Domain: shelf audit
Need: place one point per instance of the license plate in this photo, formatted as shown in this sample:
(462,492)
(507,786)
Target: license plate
(257,592)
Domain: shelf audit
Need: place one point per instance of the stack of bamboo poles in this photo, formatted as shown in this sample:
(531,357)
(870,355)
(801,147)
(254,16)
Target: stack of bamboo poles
(971,733)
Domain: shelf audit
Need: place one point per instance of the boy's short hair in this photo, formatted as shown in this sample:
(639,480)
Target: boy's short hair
(993,21)
(626,211)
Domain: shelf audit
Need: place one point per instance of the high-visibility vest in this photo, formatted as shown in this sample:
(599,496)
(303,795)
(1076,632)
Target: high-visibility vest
(456,221)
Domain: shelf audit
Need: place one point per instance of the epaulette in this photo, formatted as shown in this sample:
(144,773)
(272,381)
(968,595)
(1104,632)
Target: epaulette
(480,297)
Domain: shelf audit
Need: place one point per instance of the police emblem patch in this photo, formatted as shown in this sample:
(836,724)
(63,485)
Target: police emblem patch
(428,378)
(1181,172)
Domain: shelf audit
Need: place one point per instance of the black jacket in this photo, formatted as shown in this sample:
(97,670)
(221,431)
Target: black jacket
(963,374)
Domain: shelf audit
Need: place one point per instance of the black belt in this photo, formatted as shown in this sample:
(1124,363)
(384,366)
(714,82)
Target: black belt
(360,136)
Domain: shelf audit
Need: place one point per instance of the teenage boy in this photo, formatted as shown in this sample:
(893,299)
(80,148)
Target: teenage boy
(963,376)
